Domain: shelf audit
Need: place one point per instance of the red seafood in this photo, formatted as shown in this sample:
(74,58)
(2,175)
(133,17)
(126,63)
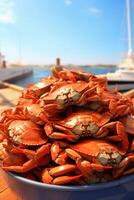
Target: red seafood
(88,124)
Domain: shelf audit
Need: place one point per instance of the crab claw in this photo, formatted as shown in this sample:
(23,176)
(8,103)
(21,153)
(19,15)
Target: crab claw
(121,169)
(129,124)
(57,175)
(58,135)
(120,131)
(88,170)
(35,114)
(58,155)
(26,132)
(39,158)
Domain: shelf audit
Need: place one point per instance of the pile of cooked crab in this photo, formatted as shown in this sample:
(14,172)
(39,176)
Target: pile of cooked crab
(69,129)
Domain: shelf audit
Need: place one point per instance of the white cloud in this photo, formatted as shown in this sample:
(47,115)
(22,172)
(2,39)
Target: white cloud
(7,11)
(94,11)
(68,2)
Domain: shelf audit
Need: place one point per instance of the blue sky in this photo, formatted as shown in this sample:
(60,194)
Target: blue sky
(78,31)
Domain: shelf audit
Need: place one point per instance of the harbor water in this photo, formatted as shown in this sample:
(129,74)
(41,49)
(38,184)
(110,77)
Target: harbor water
(39,73)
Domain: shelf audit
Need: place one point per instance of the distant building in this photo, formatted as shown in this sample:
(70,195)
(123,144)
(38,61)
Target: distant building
(2,61)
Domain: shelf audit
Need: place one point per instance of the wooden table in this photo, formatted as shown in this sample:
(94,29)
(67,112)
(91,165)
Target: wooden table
(9,95)
(5,192)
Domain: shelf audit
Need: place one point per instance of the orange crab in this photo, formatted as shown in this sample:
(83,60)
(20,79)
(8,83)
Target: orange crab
(34,91)
(73,75)
(66,94)
(129,123)
(94,159)
(24,132)
(21,160)
(80,124)
(31,112)
(81,93)
(7,157)
(77,75)
(69,129)
(87,124)
(20,129)
(125,167)
(94,155)
(59,175)
(113,102)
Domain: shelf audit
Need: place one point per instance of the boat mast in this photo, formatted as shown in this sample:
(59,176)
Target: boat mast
(129,28)
(128,61)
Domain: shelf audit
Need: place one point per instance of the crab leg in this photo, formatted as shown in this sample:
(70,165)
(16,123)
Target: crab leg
(86,164)
(84,96)
(39,158)
(43,117)
(112,106)
(85,167)
(58,155)
(66,179)
(121,133)
(65,74)
(57,175)
(43,150)
(121,110)
(52,108)
(93,98)
(132,146)
(128,123)
(120,169)
(58,135)
(129,171)
(31,164)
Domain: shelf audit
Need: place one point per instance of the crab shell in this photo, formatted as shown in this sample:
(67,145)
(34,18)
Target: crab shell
(85,123)
(65,94)
(37,89)
(73,75)
(26,132)
(82,75)
(99,151)
(28,109)
(33,112)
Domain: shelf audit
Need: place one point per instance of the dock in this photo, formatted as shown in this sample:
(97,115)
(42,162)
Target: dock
(9,94)
(14,73)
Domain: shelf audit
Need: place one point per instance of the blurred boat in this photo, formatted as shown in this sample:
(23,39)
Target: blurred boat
(124,75)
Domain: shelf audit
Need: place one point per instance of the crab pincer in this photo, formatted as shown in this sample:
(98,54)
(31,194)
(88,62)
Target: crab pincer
(59,175)
(37,158)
